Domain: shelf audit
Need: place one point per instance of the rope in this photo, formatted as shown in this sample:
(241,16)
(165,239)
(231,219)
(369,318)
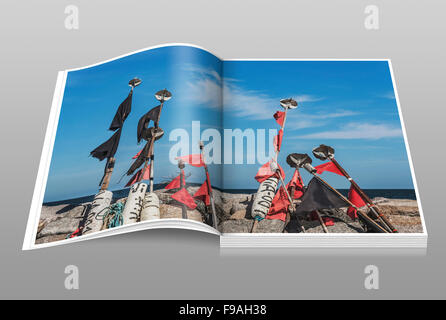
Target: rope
(116,212)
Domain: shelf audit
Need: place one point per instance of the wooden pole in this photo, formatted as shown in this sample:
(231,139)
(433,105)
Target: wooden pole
(364,216)
(286,107)
(183,206)
(209,187)
(383,219)
(150,153)
(324,227)
(108,172)
(302,228)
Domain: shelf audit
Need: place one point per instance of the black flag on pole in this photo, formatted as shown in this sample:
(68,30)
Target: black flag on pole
(124,110)
(319,196)
(143,123)
(108,148)
(139,160)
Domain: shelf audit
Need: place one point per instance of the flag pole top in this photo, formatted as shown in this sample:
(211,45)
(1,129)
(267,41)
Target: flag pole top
(301,160)
(163,95)
(135,82)
(289,103)
(323,152)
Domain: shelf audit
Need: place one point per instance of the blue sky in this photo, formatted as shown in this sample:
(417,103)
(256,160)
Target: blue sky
(348,105)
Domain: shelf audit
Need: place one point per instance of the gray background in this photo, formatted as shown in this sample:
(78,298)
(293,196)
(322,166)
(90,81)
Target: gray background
(181,264)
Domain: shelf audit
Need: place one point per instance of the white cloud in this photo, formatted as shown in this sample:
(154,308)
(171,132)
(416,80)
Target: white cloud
(205,91)
(207,88)
(357,131)
(389,95)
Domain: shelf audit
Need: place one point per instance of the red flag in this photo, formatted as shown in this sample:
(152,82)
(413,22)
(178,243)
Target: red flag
(327,220)
(175,183)
(279,206)
(137,155)
(184,197)
(278,141)
(297,183)
(265,172)
(328,166)
(195,160)
(280,117)
(137,175)
(356,199)
(203,194)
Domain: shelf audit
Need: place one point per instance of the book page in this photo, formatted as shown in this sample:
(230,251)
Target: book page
(125,151)
(316,146)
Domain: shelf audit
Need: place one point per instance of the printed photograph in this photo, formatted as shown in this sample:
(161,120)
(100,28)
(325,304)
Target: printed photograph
(241,146)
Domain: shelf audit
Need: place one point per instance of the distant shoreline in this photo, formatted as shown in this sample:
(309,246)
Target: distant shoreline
(122,193)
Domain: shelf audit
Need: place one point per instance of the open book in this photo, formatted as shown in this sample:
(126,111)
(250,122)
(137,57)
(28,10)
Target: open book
(262,153)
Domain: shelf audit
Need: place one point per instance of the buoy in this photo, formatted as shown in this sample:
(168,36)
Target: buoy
(99,207)
(134,203)
(151,207)
(264,197)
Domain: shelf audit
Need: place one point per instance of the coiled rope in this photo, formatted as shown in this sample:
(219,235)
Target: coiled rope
(115,212)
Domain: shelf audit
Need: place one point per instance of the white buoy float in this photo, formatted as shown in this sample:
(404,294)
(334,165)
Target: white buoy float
(151,207)
(264,197)
(99,207)
(134,203)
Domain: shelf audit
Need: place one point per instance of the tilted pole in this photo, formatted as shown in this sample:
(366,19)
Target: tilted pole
(324,152)
(286,104)
(161,96)
(209,187)
(375,225)
(110,165)
(382,218)
(291,206)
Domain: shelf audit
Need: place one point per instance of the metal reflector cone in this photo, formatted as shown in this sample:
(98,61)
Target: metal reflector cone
(135,82)
(323,152)
(298,160)
(288,103)
(163,95)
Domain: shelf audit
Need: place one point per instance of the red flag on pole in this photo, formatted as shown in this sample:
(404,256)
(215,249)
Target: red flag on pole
(265,172)
(278,141)
(137,175)
(175,183)
(279,206)
(356,199)
(203,194)
(328,166)
(184,197)
(280,117)
(297,183)
(195,160)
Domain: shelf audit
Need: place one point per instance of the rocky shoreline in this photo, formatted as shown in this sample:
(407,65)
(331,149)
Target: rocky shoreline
(59,220)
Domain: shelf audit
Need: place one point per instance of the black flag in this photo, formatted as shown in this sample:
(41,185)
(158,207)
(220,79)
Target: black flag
(145,119)
(108,148)
(319,196)
(123,111)
(140,160)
